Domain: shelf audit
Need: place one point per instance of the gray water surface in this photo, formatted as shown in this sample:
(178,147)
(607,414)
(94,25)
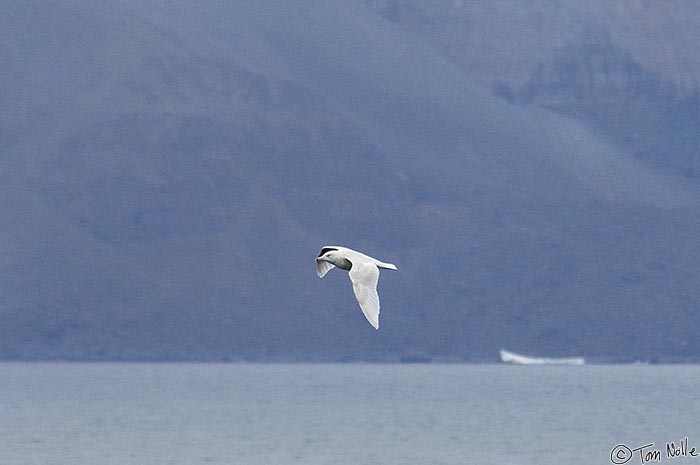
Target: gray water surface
(186,414)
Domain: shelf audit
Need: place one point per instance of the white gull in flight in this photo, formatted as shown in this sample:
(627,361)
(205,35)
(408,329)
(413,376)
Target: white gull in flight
(363,272)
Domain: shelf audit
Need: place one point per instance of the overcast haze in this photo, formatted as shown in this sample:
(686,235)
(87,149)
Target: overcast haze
(169,172)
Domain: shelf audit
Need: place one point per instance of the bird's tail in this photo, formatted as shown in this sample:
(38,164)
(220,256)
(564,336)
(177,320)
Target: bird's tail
(388,266)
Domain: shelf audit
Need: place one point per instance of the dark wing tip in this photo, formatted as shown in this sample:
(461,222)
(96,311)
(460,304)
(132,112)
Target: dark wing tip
(326,249)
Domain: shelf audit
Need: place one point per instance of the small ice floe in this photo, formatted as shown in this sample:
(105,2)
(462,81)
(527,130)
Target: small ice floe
(511,357)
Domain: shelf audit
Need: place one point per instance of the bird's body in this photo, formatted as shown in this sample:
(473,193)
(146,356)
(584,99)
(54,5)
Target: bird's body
(364,275)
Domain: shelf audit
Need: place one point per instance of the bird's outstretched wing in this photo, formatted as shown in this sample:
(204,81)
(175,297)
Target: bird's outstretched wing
(364,277)
(323,267)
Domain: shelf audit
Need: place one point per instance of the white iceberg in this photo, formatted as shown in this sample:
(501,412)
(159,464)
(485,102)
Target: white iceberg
(510,357)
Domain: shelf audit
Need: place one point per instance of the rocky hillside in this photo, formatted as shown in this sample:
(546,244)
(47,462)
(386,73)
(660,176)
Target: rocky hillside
(169,172)
(627,70)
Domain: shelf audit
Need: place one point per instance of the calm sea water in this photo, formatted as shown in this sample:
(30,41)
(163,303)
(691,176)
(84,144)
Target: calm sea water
(187,414)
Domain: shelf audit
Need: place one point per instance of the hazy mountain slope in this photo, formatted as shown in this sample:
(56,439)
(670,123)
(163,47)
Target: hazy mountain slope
(628,70)
(504,41)
(177,168)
